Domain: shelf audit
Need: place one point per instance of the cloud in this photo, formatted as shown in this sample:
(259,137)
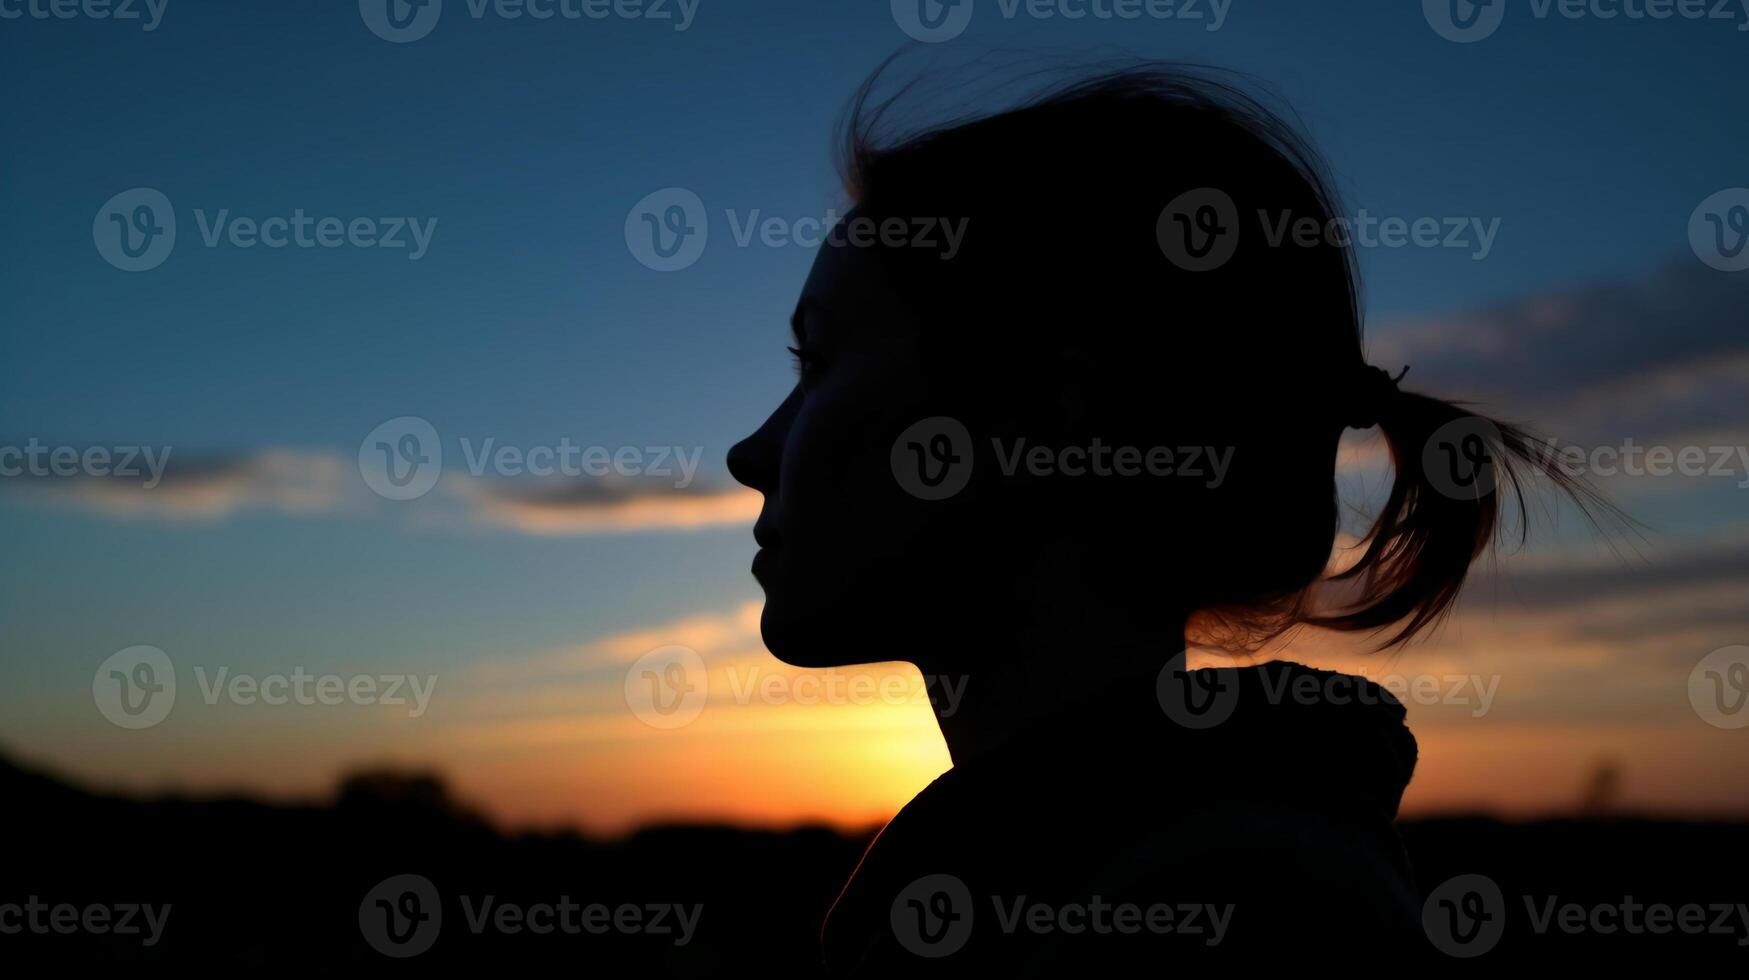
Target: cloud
(1683,567)
(1663,356)
(1659,360)
(600,507)
(723,636)
(201,489)
(1638,384)
(317,484)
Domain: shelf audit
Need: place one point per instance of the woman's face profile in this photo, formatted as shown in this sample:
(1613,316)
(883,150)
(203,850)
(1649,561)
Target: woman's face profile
(841,544)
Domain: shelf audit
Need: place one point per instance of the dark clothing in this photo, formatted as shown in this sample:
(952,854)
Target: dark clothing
(1115,834)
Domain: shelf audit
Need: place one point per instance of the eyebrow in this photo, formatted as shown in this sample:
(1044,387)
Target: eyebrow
(803,308)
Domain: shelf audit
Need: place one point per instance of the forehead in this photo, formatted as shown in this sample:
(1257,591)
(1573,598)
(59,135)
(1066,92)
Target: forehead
(849,295)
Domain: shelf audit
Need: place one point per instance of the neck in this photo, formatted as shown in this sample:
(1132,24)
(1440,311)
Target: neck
(1003,697)
(1047,641)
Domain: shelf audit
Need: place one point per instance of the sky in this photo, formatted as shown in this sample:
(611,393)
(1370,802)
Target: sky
(490,171)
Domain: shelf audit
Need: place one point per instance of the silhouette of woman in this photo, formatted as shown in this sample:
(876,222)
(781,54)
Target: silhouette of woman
(1029,459)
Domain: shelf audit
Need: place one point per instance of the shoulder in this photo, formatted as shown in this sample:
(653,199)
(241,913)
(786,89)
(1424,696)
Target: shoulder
(1285,878)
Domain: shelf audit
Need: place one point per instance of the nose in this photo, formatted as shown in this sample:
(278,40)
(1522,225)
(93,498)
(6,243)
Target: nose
(755,461)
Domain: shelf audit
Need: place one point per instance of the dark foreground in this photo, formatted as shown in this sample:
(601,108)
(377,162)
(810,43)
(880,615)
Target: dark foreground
(393,874)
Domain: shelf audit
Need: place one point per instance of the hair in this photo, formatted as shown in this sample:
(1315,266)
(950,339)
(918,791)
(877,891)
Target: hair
(1062,280)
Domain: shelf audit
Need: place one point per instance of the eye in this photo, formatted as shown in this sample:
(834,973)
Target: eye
(807,362)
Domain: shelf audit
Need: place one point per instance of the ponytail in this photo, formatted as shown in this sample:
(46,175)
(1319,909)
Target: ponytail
(1454,469)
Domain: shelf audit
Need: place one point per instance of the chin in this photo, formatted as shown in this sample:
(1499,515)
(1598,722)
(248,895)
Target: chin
(814,641)
(789,641)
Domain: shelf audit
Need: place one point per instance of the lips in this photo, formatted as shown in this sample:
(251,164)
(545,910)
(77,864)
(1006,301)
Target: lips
(769,541)
(765,535)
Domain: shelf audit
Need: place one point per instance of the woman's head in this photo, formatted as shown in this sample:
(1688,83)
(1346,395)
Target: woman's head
(1085,362)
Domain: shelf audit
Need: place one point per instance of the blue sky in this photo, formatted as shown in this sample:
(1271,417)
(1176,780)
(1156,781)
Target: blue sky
(528,141)
(529,321)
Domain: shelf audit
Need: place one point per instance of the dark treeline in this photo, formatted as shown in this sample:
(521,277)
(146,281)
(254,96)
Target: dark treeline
(281,886)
